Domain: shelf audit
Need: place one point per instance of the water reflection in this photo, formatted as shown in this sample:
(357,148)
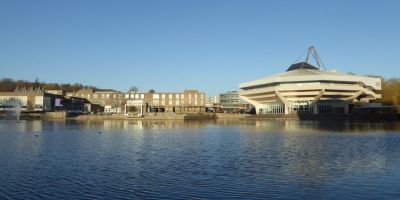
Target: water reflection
(229,159)
(322,126)
(250,125)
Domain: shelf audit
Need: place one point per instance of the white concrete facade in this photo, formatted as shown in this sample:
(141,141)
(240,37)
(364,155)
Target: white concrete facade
(309,90)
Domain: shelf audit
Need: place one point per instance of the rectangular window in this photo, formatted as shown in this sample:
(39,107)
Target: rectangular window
(39,100)
(163,96)
(170,96)
(156,96)
(126,96)
(137,96)
(176,96)
(142,96)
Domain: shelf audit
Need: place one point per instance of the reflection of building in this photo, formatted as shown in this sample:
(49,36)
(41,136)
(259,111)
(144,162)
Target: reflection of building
(231,103)
(32,99)
(308,89)
(111,100)
(189,101)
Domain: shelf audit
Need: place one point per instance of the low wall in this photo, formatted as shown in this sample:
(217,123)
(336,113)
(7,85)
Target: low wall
(99,117)
(273,116)
(231,116)
(161,116)
(202,116)
(305,116)
(155,116)
(46,115)
(61,115)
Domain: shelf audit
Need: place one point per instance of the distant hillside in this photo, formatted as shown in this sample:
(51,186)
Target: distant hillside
(9,85)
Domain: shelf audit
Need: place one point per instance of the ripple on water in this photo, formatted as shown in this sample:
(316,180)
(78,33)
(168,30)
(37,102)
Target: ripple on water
(241,161)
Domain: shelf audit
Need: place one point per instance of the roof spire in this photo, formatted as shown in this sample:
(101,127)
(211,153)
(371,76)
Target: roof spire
(312,51)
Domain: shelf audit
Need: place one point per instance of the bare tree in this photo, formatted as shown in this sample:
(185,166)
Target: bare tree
(9,85)
(133,89)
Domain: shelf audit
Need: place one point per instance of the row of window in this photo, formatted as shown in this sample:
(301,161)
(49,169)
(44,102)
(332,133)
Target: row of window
(137,96)
(10,106)
(134,96)
(163,96)
(152,109)
(300,106)
(13,98)
(272,108)
(330,109)
(229,101)
(270,86)
(229,97)
(170,102)
(300,84)
(95,96)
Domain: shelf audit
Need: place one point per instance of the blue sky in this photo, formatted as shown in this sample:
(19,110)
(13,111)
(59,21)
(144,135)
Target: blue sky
(209,45)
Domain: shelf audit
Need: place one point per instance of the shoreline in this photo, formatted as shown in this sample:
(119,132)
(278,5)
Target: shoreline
(206,116)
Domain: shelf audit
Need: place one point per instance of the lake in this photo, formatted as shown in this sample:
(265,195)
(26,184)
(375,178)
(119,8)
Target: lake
(199,160)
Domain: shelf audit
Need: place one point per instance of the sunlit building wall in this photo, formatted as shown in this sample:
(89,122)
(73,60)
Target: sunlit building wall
(304,88)
(188,101)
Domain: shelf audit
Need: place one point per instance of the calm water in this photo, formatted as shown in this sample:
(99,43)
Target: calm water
(199,160)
